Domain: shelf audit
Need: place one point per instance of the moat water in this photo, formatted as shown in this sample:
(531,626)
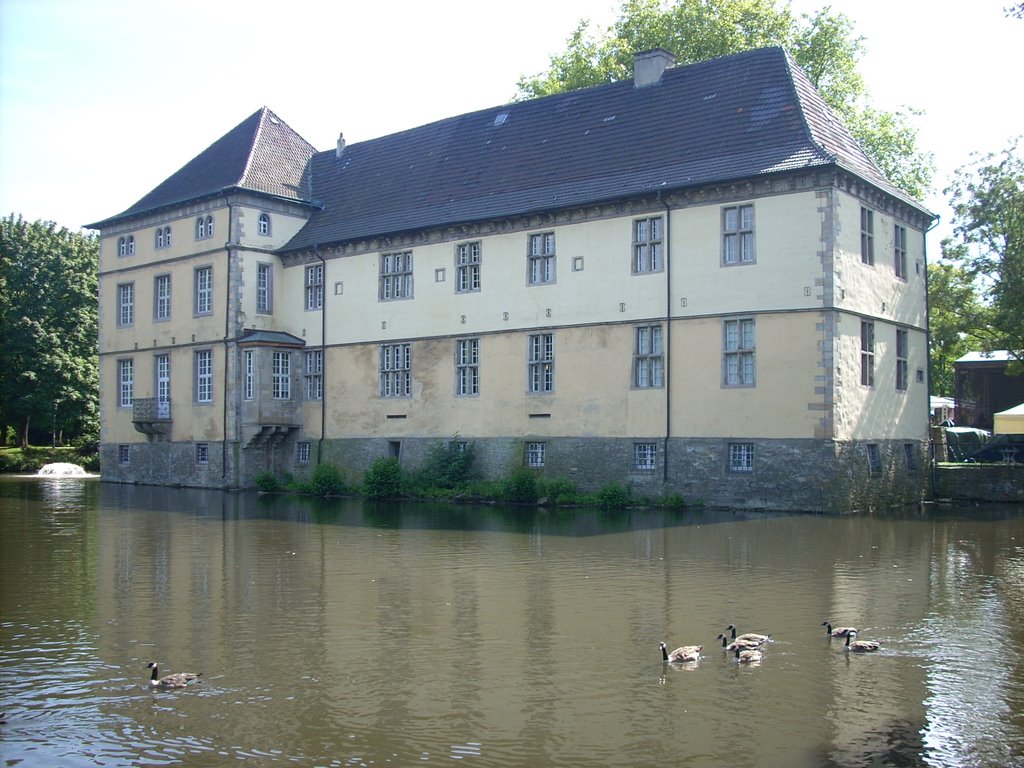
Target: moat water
(346,633)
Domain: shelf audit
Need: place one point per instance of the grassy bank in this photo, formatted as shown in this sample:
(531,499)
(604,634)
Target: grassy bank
(32,458)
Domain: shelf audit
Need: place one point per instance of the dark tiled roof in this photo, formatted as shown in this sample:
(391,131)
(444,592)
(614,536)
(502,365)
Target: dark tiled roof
(729,118)
(261,154)
(270,338)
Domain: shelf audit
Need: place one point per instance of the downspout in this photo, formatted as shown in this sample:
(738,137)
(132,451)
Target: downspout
(323,358)
(227,366)
(668,338)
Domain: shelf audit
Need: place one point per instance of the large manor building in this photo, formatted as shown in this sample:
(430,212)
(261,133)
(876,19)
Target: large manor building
(694,282)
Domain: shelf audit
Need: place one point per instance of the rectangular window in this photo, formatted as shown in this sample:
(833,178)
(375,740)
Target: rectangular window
(648,358)
(541,259)
(162,369)
(899,256)
(162,297)
(202,453)
(264,288)
(738,363)
(204,290)
(313,374)
(902,361)
(204,376)
(250,374)
(535,454)
(125,304)
(645,456)
(738,234)
(303,452)
(874,459)
(395,370)
(315,287)
(867,353)
(867,236)
(125,383)
(467,367)
(467,267)
(395,276)
(124,455)
(540,371)
(741,457)
(281,381)
(647,245)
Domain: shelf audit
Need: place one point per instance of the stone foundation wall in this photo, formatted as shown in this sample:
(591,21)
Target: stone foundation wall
(980,482)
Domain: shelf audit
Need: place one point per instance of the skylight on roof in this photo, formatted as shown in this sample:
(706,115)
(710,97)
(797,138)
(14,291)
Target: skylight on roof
(500,119)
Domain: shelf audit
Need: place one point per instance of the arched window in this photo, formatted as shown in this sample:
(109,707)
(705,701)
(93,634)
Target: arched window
(159,237)
(200,228)
(167,237)
(122,247)
(209,226)
(264,224)
(131,245)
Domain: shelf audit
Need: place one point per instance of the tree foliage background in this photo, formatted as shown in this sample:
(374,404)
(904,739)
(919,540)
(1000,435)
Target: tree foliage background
(823,44)
(49,377)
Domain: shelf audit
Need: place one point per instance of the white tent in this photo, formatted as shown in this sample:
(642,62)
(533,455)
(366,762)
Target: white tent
(1009,422)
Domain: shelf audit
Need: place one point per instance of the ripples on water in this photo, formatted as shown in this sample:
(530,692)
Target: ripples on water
(349,635)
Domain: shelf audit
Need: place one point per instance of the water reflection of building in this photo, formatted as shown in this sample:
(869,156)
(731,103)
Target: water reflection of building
(750,288)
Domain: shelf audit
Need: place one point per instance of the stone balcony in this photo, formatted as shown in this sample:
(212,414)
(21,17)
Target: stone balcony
(152,417)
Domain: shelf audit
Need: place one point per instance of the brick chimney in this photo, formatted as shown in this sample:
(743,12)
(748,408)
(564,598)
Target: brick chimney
(648,66)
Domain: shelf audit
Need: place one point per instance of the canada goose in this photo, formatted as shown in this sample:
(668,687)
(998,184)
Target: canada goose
(860,646)
(681,654)
(838,631)
(178,680)
(749,635)
(748,656)
(742,644)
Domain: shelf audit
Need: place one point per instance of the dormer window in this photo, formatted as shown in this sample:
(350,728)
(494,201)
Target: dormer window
(263,224)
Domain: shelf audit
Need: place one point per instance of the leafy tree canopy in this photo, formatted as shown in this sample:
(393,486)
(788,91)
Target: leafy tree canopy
(823,44)
(48,326)
(957,321)
(987,198)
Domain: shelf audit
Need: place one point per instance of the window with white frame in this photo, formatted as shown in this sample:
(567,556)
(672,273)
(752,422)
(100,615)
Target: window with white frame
(467,366)
(163,237)
(122,246)
(204,227)
(162,370)
(281,376)
(315,287)
(902,361)
(395,276)
(541,258)
(125,304)
(738,234)
(648,358)
(741,457)
(395,370)
(124,454)
(645,456)
(867,236)
(204,290)
(867,353)
(264,288)
(303,452)
(204,376)
(202,453)
(467,267)
(313,374)
(540,369)
(899,256)
(535,454)
(647,245)
(738,364)
(162,297)
(125,382)
(263,224)
(249,363)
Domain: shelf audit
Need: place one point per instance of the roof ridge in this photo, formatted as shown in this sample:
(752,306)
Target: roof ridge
(252,146)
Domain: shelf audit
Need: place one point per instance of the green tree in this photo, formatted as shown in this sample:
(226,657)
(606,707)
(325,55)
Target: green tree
(956,321)
(823,44)
(987,198)
(49,376)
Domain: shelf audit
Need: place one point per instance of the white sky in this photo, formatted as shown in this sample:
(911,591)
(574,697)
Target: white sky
(101,100)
